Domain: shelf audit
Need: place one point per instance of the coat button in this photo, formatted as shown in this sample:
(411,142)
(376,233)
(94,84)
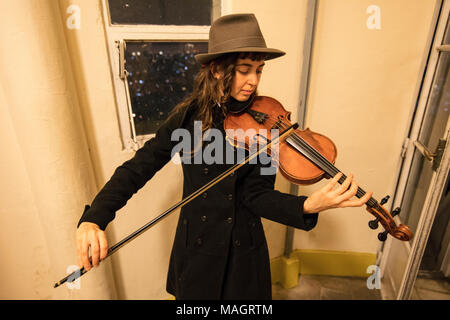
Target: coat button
(230,197)
(237,243)
(184,221)
(204,195)
(205,171)
(203,218)
(199,241)
(230,220)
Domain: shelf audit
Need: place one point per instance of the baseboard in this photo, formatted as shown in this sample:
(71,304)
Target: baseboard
(320,262)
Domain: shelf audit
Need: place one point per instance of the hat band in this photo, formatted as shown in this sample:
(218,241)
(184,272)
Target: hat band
(238,43)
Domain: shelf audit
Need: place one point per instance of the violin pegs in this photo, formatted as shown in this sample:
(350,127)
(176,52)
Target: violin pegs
(384,200)
(396,212)
(373,224)
(382,236)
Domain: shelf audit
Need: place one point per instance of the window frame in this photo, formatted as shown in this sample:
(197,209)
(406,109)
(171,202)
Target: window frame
(117,34)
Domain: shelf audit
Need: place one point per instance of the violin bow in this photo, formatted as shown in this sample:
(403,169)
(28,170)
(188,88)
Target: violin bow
(285,133)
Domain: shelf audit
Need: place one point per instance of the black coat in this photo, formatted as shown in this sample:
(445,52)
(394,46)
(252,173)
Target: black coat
(220,250)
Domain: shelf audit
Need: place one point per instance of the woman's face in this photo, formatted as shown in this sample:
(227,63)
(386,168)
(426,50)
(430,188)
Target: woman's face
(246,78)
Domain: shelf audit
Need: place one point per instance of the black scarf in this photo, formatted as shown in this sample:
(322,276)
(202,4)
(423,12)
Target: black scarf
(235,106)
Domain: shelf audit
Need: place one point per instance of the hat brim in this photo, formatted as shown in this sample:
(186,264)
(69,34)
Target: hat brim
(271,53)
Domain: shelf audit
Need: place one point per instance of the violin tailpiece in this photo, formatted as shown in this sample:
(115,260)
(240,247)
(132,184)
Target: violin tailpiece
(259,117)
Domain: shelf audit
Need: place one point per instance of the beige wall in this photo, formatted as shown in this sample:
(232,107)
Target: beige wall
(22,244)
(380,67)
(361,93)
(49,176)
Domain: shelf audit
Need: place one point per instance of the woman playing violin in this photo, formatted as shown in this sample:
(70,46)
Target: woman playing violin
(219,250)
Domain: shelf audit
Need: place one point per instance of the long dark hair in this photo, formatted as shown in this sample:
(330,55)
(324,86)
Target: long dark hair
(209,91)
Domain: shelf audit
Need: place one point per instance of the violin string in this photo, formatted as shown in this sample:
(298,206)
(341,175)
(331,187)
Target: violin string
(329,167)
(315,155)
(318,156)
(322,162)
(326,165)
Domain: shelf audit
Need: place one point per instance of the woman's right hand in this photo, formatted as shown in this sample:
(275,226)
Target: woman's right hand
(89,235)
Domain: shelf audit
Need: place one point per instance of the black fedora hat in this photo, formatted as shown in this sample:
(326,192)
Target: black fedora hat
(236,33)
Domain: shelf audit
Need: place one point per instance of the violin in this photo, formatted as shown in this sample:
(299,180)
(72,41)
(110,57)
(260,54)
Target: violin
(305,157)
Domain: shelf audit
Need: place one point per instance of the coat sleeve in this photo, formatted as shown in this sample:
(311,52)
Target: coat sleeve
(263,200)
(132,175)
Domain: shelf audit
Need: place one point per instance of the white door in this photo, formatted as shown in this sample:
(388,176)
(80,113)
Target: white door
(425,168)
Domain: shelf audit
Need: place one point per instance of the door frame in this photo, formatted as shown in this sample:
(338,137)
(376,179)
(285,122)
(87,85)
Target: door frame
(416,249)
(427,215)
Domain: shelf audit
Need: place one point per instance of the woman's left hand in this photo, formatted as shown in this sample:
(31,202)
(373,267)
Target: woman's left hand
(330,197)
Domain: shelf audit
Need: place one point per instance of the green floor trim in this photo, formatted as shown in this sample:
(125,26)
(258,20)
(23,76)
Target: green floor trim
(320,262)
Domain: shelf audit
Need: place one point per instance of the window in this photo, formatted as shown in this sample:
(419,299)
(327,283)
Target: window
(157,12)
(152,45)
(160,75)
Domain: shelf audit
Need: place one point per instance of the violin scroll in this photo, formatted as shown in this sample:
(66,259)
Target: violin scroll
(400,232)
